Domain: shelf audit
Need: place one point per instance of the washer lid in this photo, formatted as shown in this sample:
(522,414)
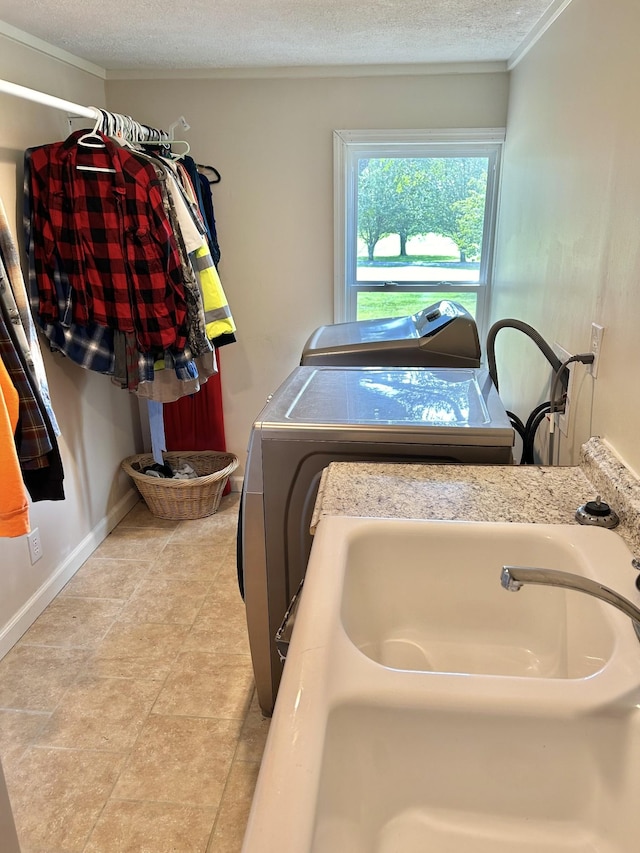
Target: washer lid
(426,400)
(425,396)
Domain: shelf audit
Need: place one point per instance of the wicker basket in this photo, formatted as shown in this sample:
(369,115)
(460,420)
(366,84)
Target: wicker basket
(183,499)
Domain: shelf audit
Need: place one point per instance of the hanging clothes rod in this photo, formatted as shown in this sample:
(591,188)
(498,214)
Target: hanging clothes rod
(8,88)
(48,100)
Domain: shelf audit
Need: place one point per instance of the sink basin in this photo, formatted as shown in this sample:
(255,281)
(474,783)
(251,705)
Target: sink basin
(409,781)
(425,708)
(424,599)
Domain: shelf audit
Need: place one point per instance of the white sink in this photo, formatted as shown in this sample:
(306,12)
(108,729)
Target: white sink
(425,708)
(423,599)
(409,781)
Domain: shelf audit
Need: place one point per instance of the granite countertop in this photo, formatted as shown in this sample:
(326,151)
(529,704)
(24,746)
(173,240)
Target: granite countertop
(530,494)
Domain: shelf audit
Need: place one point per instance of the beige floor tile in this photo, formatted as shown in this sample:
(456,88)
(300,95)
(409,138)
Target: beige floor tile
(179,760)
(58,794)
(254,734)
(138,650)
(126,827)
(155,610)
(228,506)
(68,621)
(100,713)
(207,685)
(102,578)
(133,543)
(161,599)
(141,516)
(34,678)
(18,730)
(234,808)
(220,527)
(221,624)
(230,502)
(182,560)
(227,576)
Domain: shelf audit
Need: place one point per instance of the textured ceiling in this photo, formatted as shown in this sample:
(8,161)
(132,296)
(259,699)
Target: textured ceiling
(210,34)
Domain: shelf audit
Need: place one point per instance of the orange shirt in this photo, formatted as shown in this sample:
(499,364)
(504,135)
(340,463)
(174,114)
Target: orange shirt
(14,507)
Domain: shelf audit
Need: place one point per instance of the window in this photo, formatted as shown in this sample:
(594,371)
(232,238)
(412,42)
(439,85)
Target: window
(414,220)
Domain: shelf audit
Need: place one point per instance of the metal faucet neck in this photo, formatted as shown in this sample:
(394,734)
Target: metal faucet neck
(513,578)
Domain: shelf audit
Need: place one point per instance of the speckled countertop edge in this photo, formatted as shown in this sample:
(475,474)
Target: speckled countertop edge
(483,492)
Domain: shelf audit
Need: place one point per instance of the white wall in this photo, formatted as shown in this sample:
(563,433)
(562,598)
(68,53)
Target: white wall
(271,139)
(568,250)
(99,423)
(569,247)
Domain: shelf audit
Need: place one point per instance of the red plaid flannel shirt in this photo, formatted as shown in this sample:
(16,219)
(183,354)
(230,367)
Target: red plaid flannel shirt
(111,236)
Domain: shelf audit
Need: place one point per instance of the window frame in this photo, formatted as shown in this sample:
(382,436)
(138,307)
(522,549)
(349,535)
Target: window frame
(351,145)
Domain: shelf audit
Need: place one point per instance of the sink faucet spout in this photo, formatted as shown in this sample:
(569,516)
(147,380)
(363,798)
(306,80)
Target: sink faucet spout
(513,578)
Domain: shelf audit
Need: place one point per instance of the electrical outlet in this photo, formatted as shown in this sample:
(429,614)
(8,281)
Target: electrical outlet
(595,346)
(562,418)
(35,545)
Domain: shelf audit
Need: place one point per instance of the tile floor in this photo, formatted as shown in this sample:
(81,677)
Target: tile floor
(128,720)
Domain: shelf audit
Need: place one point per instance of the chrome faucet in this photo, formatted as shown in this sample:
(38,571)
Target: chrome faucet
(514,577)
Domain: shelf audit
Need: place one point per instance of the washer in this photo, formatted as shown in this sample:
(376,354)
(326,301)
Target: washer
(326,414)
(442,335)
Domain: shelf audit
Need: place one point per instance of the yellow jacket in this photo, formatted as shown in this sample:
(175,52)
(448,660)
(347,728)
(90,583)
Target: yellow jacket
(217,313)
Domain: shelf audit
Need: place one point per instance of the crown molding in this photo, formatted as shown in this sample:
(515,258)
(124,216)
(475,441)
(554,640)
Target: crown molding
(308,71)
(21,37)
(553,12)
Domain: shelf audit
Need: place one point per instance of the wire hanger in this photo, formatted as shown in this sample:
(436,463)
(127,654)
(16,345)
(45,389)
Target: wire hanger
(218,176)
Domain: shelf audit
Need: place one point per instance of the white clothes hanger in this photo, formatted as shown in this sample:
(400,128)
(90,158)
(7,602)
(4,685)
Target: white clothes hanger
(171,142)
(97,142)
(130,133)
(93,134)
(182,154)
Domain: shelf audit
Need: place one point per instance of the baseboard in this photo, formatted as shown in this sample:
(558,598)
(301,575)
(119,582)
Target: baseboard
(42,597)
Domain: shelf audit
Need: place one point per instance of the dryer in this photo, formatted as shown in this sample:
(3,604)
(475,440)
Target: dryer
(325,414)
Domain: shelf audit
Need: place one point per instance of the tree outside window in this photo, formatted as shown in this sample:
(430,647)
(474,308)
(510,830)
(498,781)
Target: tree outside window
(418,223)
(416,197)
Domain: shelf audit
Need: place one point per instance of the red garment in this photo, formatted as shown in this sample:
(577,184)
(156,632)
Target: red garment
(197,422)
(111,235)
